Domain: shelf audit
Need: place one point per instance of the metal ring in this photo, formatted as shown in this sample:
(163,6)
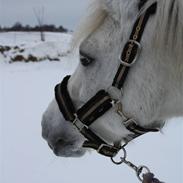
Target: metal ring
(122,159)
(140,170)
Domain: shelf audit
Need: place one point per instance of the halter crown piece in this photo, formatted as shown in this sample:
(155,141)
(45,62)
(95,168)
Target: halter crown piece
(99,104)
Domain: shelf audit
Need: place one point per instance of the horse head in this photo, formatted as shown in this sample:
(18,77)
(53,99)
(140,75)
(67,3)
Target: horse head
(153,87)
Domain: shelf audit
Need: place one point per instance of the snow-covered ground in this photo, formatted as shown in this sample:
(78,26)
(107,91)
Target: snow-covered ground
(25,91)
(26,44)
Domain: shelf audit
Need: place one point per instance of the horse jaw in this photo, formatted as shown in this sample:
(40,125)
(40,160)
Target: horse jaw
(62,137)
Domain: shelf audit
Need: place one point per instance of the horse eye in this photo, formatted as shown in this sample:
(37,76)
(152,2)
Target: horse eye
(85,59)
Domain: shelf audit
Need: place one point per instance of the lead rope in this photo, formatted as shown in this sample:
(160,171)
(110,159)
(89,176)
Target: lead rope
(149,178)
(143,173)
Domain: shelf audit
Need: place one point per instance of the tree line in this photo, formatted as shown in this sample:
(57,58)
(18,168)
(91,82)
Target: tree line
(27,28)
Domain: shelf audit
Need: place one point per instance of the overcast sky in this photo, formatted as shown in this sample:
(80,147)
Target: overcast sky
(58,12)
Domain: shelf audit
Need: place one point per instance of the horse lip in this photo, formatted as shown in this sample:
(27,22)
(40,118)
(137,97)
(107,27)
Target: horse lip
(51,147)
(71,152)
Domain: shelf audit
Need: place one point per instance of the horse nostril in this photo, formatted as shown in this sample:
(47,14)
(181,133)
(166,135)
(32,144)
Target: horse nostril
(60,142)
(56,144)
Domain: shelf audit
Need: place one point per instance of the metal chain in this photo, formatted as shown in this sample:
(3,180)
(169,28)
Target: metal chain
(139,170)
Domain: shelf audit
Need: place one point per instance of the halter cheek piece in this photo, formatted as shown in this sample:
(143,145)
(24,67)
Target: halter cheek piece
(102,102)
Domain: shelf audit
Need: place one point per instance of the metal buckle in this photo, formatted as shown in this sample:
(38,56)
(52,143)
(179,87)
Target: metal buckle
(113,102)
(139,48)
(108,146)
(128,122)
(78,124)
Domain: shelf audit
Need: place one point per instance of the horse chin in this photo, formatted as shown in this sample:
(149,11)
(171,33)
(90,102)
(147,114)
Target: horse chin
(70,153)
(74,154)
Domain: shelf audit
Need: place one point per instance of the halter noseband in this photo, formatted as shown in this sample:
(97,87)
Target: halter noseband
(102,102)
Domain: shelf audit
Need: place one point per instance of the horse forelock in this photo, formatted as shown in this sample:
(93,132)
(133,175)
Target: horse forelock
(169,24)
(96,14)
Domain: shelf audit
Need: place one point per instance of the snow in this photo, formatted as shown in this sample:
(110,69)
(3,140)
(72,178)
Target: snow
(28,43)
(18,38)
(25,91)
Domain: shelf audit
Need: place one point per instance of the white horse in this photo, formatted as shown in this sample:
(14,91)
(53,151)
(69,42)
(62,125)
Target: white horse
(153,90)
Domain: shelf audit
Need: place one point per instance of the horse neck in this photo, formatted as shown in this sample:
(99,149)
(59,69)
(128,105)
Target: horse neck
(154,88)
(173,105)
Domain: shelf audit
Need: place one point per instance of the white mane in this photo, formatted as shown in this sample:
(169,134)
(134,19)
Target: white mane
(169,24)
(169,27)
(94,18)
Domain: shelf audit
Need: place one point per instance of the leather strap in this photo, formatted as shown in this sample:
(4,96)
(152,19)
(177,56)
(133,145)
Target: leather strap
(132,48)
(64,100)
(95,107)
(141,4)
(104,149)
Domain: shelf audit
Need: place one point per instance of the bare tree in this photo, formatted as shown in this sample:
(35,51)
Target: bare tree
(39,14)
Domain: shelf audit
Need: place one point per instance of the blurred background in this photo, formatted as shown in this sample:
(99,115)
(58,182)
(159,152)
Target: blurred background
(57,12)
